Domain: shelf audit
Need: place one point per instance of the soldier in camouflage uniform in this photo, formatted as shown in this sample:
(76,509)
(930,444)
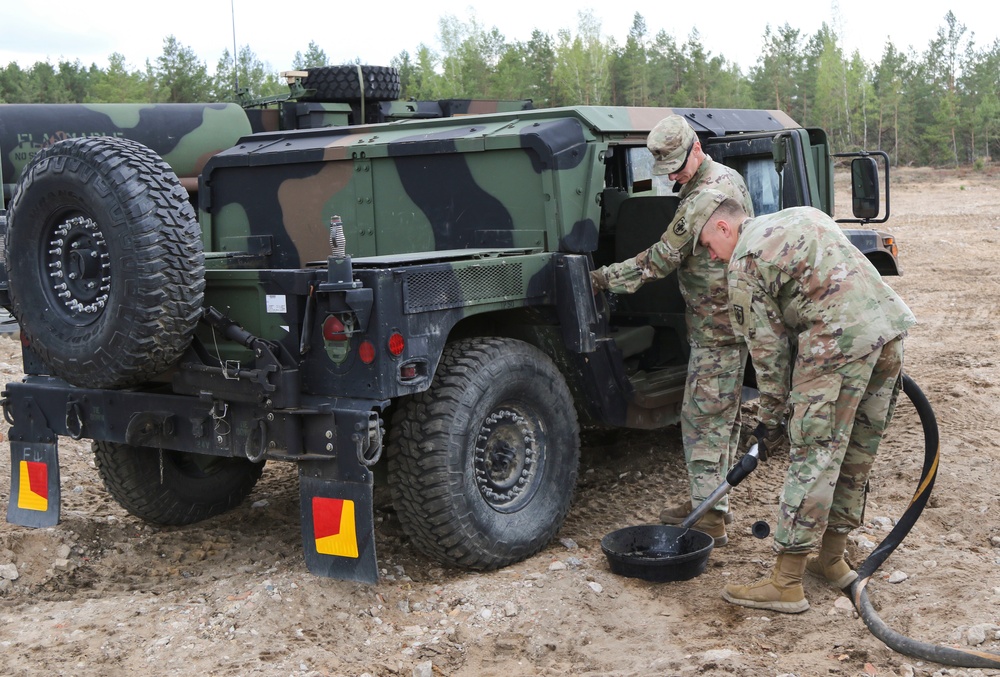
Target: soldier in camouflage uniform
(826,337)
(709,413)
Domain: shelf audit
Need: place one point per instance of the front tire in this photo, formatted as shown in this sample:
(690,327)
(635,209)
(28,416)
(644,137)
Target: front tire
(482,466)
(173,487)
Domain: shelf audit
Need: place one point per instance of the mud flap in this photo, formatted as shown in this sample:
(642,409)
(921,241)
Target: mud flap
(34,484)
(338,526)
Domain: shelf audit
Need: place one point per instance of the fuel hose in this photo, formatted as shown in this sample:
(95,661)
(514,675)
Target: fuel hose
(857,591)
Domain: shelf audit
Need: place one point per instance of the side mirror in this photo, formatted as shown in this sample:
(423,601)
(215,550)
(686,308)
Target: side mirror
(864,187)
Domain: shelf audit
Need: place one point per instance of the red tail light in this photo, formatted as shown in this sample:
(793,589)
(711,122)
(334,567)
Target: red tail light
(333,329)
(366,352)
(396,344)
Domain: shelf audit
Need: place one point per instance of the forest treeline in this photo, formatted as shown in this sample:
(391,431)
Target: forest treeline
(937,107)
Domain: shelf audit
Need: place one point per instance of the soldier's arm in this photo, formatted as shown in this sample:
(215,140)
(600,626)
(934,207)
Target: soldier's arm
(656,262)
(769,341)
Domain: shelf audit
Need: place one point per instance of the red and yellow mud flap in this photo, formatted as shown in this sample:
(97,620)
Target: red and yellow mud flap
(338,528)
(34,484)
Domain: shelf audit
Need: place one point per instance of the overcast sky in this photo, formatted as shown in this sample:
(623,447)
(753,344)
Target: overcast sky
(90,30)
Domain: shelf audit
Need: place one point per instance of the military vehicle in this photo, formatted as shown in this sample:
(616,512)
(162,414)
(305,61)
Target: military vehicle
(411,294)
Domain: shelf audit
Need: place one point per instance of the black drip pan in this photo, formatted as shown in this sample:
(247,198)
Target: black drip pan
(657,552)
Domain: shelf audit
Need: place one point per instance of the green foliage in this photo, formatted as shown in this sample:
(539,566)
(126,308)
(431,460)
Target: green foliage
(117,84)
(778,76)
(251,75)
(937,107)
(313,57)
(582,69)
(179,76)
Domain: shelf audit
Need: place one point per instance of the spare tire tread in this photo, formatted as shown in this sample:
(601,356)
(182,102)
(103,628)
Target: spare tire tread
(340,83)
(153,241)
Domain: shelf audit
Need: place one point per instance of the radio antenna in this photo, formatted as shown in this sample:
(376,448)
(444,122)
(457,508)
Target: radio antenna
(236,69)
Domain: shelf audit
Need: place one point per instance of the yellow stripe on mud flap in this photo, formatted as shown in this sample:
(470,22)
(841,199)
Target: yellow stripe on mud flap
(334,527)
(33,486)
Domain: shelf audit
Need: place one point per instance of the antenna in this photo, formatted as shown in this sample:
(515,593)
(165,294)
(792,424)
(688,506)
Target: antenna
(236,68)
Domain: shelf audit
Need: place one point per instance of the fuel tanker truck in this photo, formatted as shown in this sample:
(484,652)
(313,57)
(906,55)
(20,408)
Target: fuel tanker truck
(186,135)
(373,290)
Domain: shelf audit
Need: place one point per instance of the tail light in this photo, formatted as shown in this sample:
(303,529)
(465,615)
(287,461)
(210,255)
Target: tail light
(396,344)
(334,329)
(366,352)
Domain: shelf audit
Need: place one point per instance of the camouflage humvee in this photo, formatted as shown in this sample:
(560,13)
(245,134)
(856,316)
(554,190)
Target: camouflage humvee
(418,288)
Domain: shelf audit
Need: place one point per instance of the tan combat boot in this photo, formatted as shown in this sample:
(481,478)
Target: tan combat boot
(713,524)
(830,564)
(678,513)
(781,592)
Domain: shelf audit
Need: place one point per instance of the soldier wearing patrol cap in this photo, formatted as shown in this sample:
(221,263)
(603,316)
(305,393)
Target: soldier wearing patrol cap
(709,412)
(825,333)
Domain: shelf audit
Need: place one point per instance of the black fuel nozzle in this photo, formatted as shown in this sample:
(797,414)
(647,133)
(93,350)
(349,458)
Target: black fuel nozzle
(743,467)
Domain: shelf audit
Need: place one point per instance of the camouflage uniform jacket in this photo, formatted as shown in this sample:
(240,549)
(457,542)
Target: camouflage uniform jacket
(800,292)
(702,281)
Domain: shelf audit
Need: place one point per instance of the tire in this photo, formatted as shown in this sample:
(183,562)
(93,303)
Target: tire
(173,487)
(340,83)
(105,262)
(455,450)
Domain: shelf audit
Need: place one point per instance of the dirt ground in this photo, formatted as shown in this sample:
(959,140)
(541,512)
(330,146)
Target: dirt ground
(105,594)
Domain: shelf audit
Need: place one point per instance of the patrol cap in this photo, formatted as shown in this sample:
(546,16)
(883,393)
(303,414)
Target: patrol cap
(699,212)
(670,141)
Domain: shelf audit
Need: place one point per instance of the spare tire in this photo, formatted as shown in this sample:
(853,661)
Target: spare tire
(340,83)
(105,262)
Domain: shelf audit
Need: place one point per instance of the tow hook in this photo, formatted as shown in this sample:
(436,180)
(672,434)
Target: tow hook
(368,443)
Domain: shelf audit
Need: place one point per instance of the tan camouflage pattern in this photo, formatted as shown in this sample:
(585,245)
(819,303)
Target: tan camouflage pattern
(709,417)
(806,301)
(702,281)
(670,142)
(702,207)
(825,333)
(836,424)
(709,412)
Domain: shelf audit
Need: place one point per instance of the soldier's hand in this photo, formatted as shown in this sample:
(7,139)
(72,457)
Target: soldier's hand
(598,280)
(769,440)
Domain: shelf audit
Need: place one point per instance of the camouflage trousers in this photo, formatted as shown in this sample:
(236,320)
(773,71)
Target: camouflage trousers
(710,416)
(836,424)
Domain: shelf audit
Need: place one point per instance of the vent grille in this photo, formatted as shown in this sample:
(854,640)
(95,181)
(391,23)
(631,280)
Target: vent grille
(467,286)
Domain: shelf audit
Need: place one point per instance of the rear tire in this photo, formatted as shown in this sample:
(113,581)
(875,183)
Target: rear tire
(105,262)
(173,487)
(482,466)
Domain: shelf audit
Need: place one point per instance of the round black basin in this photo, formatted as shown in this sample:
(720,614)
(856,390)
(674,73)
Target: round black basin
(657,552)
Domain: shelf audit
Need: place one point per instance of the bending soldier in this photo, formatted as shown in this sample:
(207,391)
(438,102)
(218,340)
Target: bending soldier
(825,334)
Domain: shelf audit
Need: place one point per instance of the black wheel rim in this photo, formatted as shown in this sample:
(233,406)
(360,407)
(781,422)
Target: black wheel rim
(509,456)
(77,263)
